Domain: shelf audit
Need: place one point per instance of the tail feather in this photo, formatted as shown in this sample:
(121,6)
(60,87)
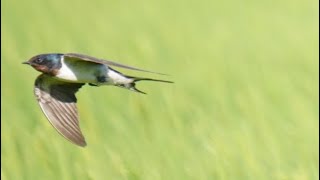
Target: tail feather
(131,86)
(135,79)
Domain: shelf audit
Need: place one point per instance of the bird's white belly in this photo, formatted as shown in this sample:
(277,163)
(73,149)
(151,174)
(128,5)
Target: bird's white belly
(116,78)
(81,72)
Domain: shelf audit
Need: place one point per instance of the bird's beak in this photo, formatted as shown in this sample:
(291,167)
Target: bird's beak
(27,62)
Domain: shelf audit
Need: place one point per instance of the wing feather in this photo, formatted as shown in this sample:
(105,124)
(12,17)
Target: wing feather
(58,102)
(82,57)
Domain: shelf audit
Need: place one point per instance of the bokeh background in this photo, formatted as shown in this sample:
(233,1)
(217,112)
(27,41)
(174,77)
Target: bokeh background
(244,104)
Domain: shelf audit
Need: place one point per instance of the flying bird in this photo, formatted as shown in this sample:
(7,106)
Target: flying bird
(63,75)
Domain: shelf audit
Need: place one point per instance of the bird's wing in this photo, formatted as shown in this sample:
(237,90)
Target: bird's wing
(58,102)
(82,57)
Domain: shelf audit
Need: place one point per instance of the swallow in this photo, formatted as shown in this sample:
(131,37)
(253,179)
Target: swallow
(63,75)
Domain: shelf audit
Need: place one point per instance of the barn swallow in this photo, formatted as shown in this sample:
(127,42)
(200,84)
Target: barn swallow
(63,75)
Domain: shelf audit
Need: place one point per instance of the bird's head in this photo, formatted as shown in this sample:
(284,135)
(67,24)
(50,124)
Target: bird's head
(46,63)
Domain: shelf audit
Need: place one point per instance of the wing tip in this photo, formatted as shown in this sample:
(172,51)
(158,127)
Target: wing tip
(79,142)
(82,144)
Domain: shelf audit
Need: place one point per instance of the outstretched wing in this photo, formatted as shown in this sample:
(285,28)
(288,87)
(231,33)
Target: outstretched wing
(58,102)
(82,57)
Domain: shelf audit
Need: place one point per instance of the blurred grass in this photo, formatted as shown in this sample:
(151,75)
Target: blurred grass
(244,105)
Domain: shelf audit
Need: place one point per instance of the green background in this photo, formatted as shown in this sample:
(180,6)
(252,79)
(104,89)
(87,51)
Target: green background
(244,104)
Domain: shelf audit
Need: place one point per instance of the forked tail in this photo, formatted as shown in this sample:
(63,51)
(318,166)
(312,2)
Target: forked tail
(132,86)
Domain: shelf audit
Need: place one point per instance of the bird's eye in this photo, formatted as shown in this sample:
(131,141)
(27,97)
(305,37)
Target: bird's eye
(38,60)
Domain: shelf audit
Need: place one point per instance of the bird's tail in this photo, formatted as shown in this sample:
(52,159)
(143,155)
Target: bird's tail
(132,86)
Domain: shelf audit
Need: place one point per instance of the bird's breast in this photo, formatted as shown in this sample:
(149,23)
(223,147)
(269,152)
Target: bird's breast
(82,72)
